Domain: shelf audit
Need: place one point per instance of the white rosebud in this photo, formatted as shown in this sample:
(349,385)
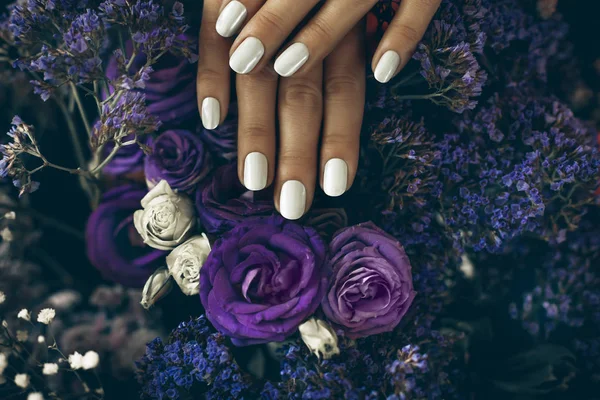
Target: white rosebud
(185,262)
(50,369)
(2,297)
(24,314)
(41,339)
(46,316)
(35,396)
(319,337)
(167,217)
(3,362)
(10,215)
(22,380)
(156,287)
(90,360)
(76,360)
(22,336)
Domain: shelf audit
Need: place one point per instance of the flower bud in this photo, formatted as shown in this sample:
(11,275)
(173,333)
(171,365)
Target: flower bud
(157,287)
(185,261)
(319,337)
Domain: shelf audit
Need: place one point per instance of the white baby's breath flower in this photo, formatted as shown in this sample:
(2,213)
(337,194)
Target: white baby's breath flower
(2,297)
(319,337)
(22,380)
(166,219)
(3,362)
(76,360)
(46,316)
(4,323)
(185,262)
(50,369)
(35,396)
(41,339)
(24,314)
(22,335)
(90,360)
(64,300)
(6,235)
(157,286)
(10,215)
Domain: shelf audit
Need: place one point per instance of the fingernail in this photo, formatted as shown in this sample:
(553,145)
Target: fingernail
(255,171)
(291,60)
(387,66)
(292,200)
(247,55)
(211,113)
(231,19)
(335,177)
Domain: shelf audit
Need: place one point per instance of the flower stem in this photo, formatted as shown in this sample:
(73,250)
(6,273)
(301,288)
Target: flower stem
(106,160)
(86,122)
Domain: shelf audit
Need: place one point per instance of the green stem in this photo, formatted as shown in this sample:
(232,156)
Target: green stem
(77,145)
(80,107)
(106,160)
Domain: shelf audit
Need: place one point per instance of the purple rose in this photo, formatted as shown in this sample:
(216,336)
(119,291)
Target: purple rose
(113,244)
(171,88)
(222,141)
(223,202)
(371,288)
(179,157)
(128,160)
(263,279)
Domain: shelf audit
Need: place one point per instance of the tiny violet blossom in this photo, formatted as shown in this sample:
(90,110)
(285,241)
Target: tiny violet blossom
(24,314)
(22,380)
(157,286)
(46,316)
(166,219)
(185,261)
(90,360)
(35,396)
(320,338)
(50,369)
(76,361)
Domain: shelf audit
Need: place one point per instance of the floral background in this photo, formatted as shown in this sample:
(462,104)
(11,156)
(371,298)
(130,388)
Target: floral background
(480,159)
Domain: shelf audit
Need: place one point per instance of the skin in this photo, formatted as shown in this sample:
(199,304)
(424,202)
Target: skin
(301,121)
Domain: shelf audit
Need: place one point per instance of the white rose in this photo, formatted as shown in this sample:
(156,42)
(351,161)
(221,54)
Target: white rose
(319,337)
(185,262)
(167,217)
(157,286)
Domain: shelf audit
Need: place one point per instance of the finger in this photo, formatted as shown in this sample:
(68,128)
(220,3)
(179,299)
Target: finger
(300,115)
(402,36)
(321,35)
(345,81)
(213,77)
(270,27)
(234,14)
(256,96)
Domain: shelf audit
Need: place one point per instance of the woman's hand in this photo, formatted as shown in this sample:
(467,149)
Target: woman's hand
(317,81)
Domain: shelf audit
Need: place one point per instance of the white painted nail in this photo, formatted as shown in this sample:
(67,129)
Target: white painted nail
(335,177)
(231,19)
(291,60)
(387,66)
(292,200)
(247,55)
(256,171)
(211,113)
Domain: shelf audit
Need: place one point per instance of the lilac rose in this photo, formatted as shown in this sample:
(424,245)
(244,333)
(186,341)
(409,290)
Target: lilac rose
(371,288)
(223,202)
(179,157)
(263,279)
(113,245)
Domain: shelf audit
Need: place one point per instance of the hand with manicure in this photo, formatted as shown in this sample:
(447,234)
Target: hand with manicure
(314,90)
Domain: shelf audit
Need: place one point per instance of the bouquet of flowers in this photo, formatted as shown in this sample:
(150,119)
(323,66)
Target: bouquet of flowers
(464,262)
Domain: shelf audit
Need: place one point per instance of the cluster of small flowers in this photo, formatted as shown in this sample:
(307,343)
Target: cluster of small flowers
(194,360)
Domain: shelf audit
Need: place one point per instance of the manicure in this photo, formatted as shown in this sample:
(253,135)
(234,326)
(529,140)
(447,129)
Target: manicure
(231,19)
(255,171)
(247,55)
(335,177)
(291,60)
(211,113)
(292,200)
(387,66)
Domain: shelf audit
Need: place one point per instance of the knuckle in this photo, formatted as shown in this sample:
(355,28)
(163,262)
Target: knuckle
(429,4)
(207,74)
(407,34)
(321,29)
(255,132)
(343,85)
(295,158)
(272,23)
(302,94)
(338,140)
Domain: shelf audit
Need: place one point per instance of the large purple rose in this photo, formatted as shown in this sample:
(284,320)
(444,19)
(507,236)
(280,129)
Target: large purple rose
(113,244)
(223,202)
(371,288)
(263,279)
(170,91)
(179,157)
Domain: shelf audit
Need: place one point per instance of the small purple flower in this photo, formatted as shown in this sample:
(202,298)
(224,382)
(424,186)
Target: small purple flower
(113,244)
(223,202)
(179,157)
(263,279)
(371,288)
